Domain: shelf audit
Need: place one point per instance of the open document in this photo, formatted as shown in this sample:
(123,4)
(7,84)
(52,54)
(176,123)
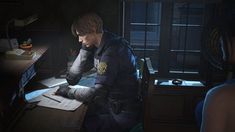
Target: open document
(50,100)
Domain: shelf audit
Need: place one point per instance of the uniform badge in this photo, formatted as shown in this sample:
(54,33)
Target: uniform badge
(102,67)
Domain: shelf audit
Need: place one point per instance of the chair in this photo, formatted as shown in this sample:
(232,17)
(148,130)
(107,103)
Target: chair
(144,75)
(145,67)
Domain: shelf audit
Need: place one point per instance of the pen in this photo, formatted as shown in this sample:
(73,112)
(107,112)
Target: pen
(51,98)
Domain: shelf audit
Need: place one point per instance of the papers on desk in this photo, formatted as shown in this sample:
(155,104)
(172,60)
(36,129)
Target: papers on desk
(52,82)
(34,96)
(184,83)
(48,99)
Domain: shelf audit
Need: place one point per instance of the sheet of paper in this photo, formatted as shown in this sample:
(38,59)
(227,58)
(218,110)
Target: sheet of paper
(52,82)
(78,86)
(184,83)
(50,100)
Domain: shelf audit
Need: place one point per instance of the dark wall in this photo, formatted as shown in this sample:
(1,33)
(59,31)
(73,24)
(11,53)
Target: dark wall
(63,11)
(53,25)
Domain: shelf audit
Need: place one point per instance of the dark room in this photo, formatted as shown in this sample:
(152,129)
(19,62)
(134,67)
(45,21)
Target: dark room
(117,66)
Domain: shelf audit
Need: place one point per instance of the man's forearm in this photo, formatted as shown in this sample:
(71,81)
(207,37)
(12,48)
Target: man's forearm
(82,64)
(96,94)
(73,79)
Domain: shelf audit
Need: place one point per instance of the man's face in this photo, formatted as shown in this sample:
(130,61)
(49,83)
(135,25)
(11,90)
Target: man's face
(89,40)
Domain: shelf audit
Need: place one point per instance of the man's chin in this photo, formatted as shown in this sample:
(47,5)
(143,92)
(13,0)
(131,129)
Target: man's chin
(88,46)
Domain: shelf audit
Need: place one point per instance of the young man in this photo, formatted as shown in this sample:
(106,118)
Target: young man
(113,101)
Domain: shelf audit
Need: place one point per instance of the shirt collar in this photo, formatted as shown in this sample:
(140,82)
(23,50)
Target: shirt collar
(102,43)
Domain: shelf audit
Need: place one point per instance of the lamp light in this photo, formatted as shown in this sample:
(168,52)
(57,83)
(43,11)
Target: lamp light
(14,51)
(19,23)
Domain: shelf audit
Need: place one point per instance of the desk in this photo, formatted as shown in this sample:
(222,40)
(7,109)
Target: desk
(15,74)
(20,72)
(19,66)
(41,119)
(170,108)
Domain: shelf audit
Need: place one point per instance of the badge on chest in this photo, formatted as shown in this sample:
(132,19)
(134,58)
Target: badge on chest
(102,67)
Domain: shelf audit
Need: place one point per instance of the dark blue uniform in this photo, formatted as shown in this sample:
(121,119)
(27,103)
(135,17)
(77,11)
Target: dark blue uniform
(116,67)
(113,102)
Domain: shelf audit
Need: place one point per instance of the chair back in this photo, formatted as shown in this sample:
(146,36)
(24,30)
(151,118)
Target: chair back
(144,79)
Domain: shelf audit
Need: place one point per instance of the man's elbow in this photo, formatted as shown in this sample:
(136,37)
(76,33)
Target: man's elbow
(72,79)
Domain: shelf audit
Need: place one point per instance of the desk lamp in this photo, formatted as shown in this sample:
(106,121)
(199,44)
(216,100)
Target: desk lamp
(16,52)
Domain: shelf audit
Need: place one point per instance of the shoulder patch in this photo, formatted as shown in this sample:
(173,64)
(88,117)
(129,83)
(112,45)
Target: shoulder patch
(102,67)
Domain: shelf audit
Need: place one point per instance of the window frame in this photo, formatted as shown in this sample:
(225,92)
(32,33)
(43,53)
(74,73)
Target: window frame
(166,25)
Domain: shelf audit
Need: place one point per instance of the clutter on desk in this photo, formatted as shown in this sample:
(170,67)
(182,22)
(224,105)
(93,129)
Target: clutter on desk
(23,52)
(26,45)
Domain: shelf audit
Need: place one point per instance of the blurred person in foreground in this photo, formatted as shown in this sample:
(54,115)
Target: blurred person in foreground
(218,113)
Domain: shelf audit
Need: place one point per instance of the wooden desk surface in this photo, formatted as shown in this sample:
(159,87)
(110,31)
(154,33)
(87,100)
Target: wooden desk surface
(41,119)
(19,66)
(15,74)
(12,71)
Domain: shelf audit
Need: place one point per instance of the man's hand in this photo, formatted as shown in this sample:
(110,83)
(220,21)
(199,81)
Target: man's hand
(63,91)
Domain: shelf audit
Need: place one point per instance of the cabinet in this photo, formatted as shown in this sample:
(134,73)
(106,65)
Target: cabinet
(170,108)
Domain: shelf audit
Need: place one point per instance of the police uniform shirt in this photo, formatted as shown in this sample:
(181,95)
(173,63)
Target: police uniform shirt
(116,67)
(116,72)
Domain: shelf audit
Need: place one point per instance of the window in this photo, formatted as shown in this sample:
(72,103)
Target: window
(187,26)
(168,33)
(144,29)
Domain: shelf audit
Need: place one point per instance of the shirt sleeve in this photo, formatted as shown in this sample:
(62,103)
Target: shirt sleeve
(82,64)
(97,94)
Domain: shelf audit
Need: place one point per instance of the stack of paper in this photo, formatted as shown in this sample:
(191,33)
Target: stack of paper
(20,55)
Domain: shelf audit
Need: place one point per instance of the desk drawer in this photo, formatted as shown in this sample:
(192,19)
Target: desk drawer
(166,107)
(27,76)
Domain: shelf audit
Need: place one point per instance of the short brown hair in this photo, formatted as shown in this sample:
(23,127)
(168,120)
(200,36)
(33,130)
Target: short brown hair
(88,23)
